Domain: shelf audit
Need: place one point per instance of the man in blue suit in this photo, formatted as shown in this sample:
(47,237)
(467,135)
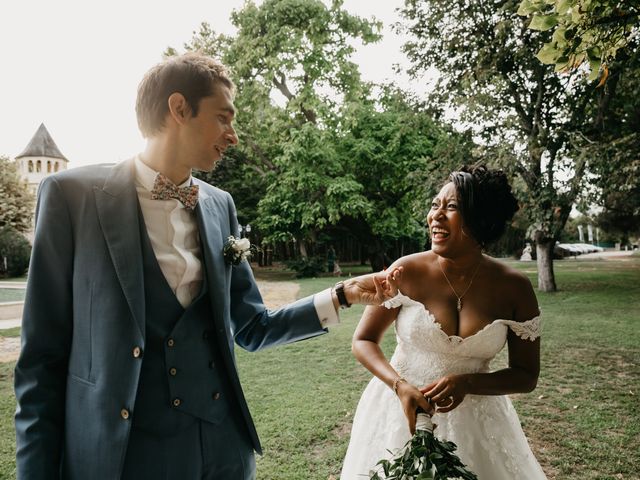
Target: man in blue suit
(127,368)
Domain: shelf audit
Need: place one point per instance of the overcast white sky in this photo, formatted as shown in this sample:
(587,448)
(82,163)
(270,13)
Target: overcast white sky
(75,65)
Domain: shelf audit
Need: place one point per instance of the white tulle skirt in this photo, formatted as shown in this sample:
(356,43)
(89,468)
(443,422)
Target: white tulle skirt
(486,430)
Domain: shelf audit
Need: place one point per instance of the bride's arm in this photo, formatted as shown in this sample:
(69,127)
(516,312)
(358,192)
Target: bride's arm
(521,376)
(366,348)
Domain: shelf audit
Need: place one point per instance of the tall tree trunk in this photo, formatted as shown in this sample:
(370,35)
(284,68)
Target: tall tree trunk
(302,247)
(546,277)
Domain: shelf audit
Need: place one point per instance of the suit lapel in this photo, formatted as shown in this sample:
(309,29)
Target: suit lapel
(117,206)
(212,244)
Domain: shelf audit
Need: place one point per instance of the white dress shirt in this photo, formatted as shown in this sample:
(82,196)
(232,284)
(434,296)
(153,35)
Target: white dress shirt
(173,231)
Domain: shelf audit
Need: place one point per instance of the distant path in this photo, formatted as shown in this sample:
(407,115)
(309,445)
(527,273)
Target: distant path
(278,294)
(13,285)
(613,254)
(275,295)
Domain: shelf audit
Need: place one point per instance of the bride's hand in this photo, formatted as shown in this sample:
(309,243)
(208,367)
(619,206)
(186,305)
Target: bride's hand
(411,399)
(446,393)
(375,288)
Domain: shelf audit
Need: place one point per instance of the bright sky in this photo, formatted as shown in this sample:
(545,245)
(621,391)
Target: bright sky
(75,65)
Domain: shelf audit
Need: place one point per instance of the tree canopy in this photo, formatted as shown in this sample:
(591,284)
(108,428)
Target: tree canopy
(587,32)
(528,117)
(321,151)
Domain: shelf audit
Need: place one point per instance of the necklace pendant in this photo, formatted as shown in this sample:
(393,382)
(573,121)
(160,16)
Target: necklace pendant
(459,304)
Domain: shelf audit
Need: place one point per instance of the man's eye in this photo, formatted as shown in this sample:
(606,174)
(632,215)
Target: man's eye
(452,206)
(434,205)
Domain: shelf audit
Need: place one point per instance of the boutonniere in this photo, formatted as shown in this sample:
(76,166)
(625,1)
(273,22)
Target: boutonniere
(236,250)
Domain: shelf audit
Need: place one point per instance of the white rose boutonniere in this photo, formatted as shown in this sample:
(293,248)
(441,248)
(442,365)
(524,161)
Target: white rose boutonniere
(236,250)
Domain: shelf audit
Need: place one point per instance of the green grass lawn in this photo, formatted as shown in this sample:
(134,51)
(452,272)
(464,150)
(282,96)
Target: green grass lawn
(583,420)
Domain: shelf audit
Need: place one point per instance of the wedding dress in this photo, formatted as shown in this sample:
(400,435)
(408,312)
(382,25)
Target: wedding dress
(486,429)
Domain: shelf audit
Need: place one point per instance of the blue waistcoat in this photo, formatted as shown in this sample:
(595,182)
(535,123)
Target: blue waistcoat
(180,380)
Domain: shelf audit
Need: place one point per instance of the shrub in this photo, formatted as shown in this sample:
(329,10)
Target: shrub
(15,252)
(307,267)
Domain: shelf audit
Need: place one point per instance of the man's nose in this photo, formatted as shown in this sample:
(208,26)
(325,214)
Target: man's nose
(231,136)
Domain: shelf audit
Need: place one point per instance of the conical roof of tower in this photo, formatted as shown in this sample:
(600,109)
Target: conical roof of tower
(42,145)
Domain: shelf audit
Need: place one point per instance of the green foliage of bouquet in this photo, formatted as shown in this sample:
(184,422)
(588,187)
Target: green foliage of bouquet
(424,457)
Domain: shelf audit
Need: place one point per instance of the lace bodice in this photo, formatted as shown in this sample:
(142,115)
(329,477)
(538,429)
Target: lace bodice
(486,428)
(425,352)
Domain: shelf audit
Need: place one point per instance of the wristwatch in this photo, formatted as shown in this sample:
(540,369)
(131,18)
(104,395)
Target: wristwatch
(342,298)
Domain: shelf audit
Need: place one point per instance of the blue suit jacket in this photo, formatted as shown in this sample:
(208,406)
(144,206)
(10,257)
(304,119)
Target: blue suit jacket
(85,313)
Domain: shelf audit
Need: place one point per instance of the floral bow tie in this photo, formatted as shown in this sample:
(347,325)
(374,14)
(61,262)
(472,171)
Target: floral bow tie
(164,189)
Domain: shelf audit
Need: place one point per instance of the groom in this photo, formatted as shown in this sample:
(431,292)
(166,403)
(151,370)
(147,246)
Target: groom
(127,368)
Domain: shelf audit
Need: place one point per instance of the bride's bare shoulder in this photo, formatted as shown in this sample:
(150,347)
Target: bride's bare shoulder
(415,268)
(516,288)
(414,262)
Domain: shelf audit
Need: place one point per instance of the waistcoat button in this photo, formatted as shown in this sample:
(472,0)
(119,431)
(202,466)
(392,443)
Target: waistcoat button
(216,395)
(137,352)
(171,342)
(124,413)
(176,402)
(173,371)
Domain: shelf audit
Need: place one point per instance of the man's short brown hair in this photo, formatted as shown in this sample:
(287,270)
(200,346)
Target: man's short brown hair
(194,75)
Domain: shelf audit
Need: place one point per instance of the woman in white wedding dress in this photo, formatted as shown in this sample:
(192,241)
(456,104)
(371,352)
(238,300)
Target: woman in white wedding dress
(455,309)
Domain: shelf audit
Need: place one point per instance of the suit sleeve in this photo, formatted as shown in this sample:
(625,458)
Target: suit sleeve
(41,370)
(254,327)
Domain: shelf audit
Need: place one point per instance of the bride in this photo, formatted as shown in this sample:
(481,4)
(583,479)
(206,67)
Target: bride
(454,310)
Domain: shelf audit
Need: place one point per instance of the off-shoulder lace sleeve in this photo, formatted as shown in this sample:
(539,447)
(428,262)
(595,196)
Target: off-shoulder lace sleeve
(529,330)
(397,301)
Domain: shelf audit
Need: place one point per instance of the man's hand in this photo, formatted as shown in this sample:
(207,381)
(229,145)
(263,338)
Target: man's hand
(373,289)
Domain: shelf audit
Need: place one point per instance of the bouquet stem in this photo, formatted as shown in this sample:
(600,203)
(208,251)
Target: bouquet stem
(424,457)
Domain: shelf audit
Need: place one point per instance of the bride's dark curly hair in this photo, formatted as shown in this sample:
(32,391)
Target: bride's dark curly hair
(486,202)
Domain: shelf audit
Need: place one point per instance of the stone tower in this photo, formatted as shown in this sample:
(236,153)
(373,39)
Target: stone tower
(40,158)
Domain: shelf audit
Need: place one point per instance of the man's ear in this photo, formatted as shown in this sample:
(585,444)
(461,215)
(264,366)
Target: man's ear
(179,108)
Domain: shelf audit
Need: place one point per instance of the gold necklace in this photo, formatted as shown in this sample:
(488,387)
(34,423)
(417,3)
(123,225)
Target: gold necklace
(459,297)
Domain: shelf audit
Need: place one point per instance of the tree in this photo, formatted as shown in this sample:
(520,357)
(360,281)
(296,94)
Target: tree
(527,116)
(318,155)
(584,31)
(16,201)
(314,189)
(15,252)
(298,53)
(401,156)
(615,140)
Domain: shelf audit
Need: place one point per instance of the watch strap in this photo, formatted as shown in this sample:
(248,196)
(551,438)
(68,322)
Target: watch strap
(342,298)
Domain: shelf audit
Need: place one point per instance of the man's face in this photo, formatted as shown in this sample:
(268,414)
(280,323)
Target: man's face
(205,137)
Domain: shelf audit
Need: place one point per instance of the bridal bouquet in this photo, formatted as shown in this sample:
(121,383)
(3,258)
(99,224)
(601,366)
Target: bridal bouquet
(424,457)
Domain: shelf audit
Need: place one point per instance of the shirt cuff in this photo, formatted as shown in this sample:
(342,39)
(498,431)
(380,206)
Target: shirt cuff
(324,308)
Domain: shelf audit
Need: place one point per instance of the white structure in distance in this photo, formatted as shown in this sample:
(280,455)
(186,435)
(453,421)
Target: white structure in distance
(40,158)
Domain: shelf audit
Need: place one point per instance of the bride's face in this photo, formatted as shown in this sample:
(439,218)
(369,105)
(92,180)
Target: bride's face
(446,226)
